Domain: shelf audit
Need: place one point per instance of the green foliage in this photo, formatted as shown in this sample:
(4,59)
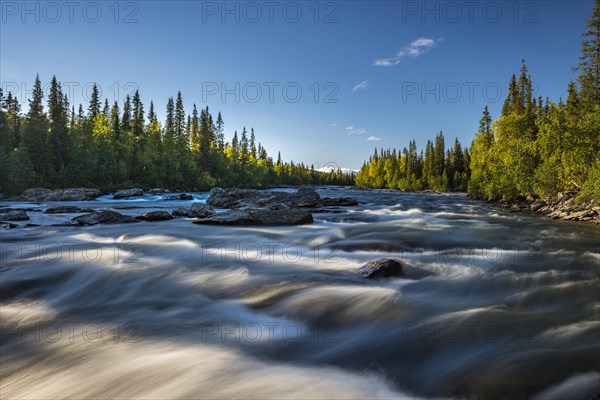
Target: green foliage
(109,149)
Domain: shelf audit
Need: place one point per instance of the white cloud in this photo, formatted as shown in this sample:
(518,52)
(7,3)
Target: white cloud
(374,139)
(360,86)
(350,130)
(328,169)
(333,124)
(416,48)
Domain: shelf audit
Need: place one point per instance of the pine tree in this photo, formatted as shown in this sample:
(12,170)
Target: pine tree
(126,119)
(58,124)
(35,134)
(179,120)
(170,136)
(589,61)
(219,132)
(195,130)
(138,122)
(94,106)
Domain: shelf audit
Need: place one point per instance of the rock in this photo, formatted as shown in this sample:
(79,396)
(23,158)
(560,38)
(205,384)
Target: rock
(72,194)
(230,198)
(382,268)
(8,225)
(67,209)
(201,210)
(155,216)
(15,215)
(103,217)
(530,198)
(275,216)
(537,205)
(156,191)
(183,196)
(229,218)
(181,212)
(341,201)
(128,193)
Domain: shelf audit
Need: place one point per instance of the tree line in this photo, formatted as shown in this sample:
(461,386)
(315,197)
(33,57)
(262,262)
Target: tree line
(535,147)
(114,146)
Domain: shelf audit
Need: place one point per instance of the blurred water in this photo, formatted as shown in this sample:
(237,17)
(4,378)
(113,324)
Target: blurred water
(492,305)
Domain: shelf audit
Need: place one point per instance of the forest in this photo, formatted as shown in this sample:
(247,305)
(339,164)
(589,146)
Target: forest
(535,147)
(109,148)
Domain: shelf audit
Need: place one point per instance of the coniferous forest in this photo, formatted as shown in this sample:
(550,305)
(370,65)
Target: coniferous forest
(115,146)
(536,146)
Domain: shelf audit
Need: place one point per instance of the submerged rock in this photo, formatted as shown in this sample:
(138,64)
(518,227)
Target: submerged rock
(103,217)
(382,268)
(183,196)
(128,193)
(155,216)
(340,202)
(71,194)
(67,210)
(14,215)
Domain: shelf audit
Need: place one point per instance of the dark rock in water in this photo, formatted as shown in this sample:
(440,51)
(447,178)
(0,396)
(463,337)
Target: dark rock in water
(281,216)
(382,268)
(15,215)
(275,216)
(229,218)
(104,217)
(230,198)
(537,205)
(8,225)
(201,210)
(67,210)
(72,194)
(155,216)
(341,201)
(183,196)
(181,212)
(128,193)
(156,191)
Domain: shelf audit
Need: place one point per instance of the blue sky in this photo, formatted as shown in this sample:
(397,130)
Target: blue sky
(323,82)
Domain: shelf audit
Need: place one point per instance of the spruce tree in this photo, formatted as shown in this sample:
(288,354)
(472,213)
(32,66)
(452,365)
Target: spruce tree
(589,61)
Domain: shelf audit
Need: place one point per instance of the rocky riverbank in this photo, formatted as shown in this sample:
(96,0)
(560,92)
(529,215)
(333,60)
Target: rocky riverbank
(565,205)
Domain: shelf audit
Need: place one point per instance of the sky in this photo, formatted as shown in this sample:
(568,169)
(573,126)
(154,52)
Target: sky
(323,82)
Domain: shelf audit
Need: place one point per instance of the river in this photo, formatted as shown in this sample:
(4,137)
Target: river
(492,304)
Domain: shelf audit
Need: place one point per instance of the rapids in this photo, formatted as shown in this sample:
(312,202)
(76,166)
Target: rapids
(492,304)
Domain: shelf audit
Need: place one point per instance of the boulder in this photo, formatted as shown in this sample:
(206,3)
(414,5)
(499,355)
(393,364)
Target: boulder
(15,215)
(72,194)
(103,217)
(183,196)
(230,198)
(341,202)
(281,216)
(274,216)
(201,210)
(181,212)
(382,268)
(537,205)
(67,210)
(155,216)
(128,193)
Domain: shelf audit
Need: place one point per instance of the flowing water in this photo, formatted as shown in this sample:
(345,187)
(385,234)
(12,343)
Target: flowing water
(492,304)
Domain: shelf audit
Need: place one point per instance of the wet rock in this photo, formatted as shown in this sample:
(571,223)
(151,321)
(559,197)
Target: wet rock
(181,212)
(128,193)
(339,202)
(8,225)
(67,210)
(382,268)
(230,198)
(71,194)
(155,216)
(103,217)
(275,216)
(183,196)
(15,215)
(201,210)
(537,205)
